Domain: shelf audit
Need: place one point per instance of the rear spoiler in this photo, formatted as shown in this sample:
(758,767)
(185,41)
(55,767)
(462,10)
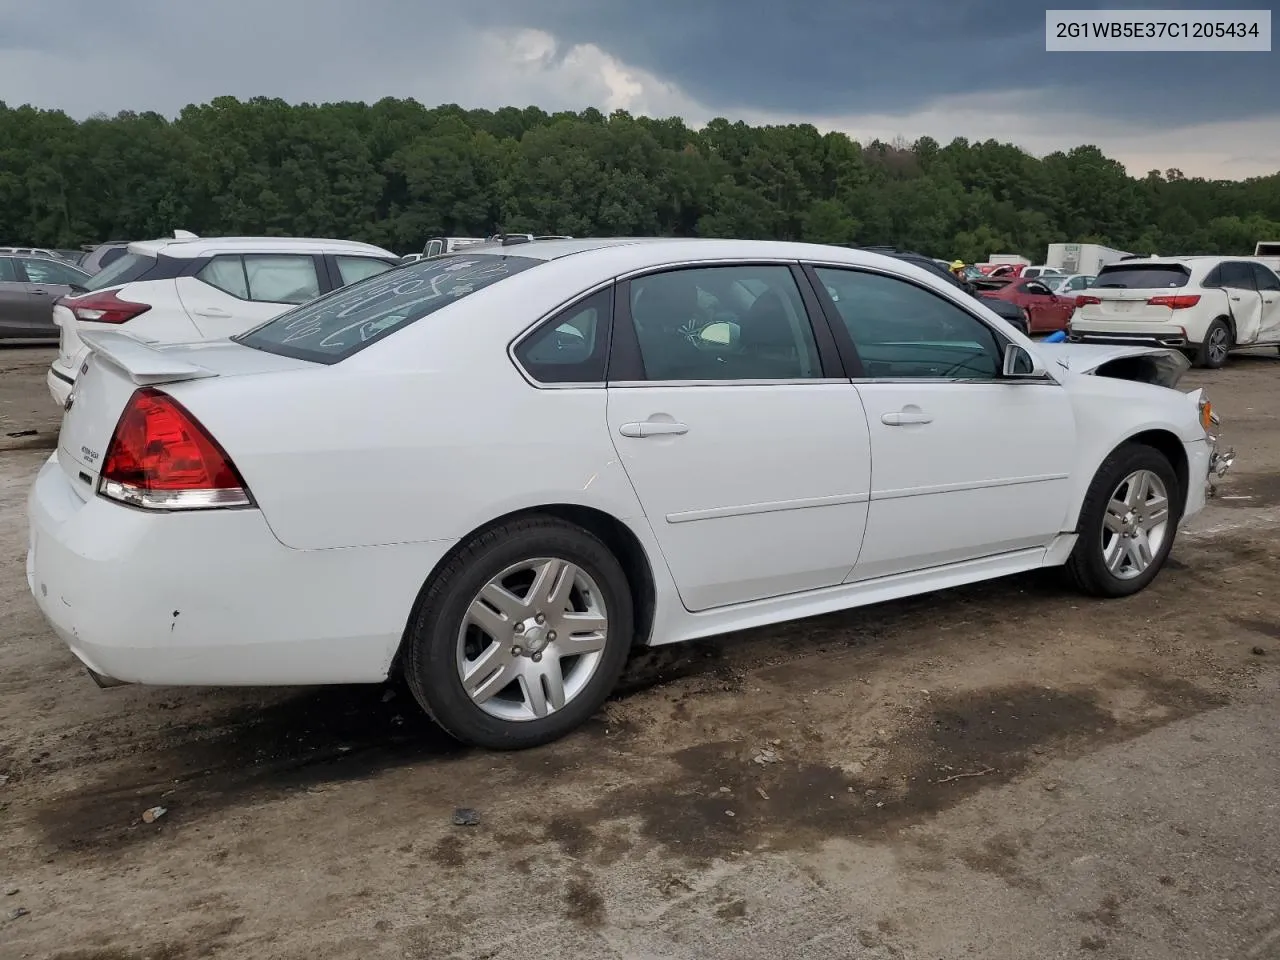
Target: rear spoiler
(141,362)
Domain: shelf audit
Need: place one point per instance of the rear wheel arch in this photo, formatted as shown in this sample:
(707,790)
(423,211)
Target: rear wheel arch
(615,535)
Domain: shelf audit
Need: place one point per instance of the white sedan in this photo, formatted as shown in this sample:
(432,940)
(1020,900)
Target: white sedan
(497,472)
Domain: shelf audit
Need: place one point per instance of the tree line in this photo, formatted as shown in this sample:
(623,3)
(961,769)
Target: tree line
(395,172)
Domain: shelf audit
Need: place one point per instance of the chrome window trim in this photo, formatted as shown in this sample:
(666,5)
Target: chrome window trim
(789,382)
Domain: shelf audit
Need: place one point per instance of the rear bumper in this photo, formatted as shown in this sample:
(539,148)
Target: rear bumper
(59,385)
(212,597)
(1175,337)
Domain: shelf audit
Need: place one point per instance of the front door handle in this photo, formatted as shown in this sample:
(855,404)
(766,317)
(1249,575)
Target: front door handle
(653,428)
(904,417)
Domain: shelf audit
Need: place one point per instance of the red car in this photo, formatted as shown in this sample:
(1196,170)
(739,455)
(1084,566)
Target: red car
(1046,311)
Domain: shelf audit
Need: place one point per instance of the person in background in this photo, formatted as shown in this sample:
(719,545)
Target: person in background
(957,268)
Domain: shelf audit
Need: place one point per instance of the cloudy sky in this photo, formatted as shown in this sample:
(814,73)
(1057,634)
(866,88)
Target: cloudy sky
(946,68)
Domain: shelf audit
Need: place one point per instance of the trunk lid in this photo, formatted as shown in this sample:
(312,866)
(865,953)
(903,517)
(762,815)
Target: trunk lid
(117,365)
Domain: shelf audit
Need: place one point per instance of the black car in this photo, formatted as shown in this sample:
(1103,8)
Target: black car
(1011,313)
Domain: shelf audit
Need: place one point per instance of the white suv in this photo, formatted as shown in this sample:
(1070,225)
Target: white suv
(1204,306)
(185,288)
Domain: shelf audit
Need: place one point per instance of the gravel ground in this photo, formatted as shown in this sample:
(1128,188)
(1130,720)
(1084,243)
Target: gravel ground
(1000,771)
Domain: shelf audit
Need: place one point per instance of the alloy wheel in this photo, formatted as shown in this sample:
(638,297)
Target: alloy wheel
(1135,524)
(532,638)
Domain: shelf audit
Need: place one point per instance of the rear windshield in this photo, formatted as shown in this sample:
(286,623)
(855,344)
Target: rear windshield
(1142,276)
(125,269)
(346,321)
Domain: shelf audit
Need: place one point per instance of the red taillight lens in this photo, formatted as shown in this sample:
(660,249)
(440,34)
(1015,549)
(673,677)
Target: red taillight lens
(1083,300)
(161,457)
(104,307)
(1182,302)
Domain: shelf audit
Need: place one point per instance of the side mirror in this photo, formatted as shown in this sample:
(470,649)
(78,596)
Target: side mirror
(1020,364)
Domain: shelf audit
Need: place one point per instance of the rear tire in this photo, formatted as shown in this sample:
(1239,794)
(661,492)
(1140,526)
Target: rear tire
(1122,542)
(1217,344)
(521,636)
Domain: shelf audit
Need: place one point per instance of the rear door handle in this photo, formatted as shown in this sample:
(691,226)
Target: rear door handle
(212,312)
(902,418)
(653,428)
(1236,299)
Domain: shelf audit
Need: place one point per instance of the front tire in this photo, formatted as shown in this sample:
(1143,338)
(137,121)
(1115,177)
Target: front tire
(1127,523)
(522,636)
(1217,344)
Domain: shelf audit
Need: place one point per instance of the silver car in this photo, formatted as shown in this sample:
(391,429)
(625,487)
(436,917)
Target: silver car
(28,288)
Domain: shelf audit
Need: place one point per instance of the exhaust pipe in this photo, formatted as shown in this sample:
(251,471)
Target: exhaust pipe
(105,682)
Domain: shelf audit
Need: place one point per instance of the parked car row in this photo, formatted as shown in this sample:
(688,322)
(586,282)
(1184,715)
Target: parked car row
(187,289)
(1204,306)
(496,472)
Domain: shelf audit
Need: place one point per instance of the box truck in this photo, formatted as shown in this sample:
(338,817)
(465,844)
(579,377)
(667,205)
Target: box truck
(1085,258)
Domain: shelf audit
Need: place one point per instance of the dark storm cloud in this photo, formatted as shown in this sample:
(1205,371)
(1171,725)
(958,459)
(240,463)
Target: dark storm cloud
(828,57)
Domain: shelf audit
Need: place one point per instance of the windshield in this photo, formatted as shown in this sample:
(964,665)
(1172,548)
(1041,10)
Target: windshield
(1142,276)
(125,269)
(346,321)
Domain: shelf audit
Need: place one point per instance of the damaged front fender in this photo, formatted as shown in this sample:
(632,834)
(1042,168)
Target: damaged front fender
(1160,366)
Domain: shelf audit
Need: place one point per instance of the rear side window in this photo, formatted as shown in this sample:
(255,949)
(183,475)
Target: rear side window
(8,273)
(126,268)
(349,319)
(227,274)
(111,255)
(285,278)
(264,277)
(573,346)
(1237,275)
(353,269)
(1142,276)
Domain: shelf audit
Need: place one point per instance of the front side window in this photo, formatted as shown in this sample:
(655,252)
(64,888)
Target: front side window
(347,320)
(571,347)
(353,269)
(901,330)
(52,272)
(1266,279)
(723,323)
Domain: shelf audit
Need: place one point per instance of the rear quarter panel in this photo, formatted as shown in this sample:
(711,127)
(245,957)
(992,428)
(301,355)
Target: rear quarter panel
(425,435)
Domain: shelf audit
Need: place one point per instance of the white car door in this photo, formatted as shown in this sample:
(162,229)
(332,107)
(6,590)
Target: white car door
(234,292)
(965,464)
(752,464)
(1269,289)
(1244,300)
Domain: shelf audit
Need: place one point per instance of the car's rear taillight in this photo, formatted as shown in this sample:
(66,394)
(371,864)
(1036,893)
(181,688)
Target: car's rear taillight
(103,307)
(1175,302)
(1083,300)
(160,457)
